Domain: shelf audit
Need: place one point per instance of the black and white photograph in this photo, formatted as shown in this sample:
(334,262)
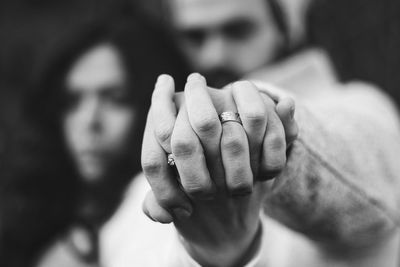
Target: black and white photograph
(199,133)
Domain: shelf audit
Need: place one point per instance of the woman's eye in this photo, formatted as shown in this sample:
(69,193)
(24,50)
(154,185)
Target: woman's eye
(116,96)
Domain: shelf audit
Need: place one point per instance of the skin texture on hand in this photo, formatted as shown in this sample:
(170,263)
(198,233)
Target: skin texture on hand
(216,201)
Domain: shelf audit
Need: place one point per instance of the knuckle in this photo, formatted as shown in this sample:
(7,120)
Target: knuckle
(233,146)
(163,132)
(275,164)
(183,147)
(151,165)
(198,189)
(206,124)
(275,159)
(275,142)
(255,118)
(167,199)
(240,187)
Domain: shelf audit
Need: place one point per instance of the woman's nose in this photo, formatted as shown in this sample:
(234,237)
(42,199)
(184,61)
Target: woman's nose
(90,112)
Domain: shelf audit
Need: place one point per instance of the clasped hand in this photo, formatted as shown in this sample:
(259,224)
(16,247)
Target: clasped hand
(214,196)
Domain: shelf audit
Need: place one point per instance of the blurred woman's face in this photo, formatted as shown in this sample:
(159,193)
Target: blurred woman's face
(98,121)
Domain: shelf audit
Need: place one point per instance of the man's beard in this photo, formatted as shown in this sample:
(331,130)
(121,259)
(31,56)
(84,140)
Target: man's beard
(220,77)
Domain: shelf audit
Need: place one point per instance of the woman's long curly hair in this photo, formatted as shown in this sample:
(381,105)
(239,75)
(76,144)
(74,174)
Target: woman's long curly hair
(41,192)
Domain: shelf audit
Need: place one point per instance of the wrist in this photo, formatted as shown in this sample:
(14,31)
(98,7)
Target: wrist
(236,252)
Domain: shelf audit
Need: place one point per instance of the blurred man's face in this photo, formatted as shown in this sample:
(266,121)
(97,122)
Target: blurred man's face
(99,119)
(225,39)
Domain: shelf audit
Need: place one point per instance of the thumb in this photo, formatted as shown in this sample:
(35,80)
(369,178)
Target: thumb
(154,211)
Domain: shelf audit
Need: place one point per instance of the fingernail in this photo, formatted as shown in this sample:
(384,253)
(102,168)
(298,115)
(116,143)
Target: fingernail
(151,218)
(181,213)
(195,77)
(162,79)
(292,109)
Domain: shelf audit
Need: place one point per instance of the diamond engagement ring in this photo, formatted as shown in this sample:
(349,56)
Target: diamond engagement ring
(171,160)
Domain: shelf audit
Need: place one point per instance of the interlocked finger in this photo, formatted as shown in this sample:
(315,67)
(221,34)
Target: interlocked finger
(163,111)
(162,177)
(204,121)
(190,160)
(274,146)
(235,156)
(253,113)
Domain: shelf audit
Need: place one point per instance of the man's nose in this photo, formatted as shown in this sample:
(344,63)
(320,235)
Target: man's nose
(214,52)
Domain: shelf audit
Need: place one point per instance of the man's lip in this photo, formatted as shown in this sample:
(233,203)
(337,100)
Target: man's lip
(92,154)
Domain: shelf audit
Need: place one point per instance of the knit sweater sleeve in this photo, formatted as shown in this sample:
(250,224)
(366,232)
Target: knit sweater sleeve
(341,181)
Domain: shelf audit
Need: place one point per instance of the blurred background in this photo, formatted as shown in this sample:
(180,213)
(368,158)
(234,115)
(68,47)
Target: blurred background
(362,38)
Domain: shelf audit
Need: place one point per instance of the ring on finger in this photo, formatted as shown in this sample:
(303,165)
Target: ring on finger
(171,160)
(230,116)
